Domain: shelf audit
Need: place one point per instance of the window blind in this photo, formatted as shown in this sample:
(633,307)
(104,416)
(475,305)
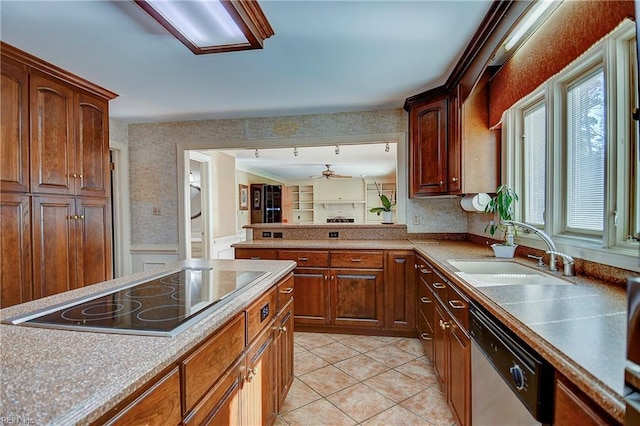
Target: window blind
(534,140)
(586,153)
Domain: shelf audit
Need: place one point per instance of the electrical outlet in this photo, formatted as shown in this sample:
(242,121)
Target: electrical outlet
(266,234)
(277,235)
(157,211)
(416,219)
(334,234)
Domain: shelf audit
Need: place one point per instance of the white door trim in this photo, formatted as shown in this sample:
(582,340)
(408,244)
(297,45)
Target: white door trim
(121,210)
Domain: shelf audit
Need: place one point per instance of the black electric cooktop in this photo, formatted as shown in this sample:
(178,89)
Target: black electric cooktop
(160,306)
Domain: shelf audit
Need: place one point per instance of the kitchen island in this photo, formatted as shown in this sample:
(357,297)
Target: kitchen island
(69,377)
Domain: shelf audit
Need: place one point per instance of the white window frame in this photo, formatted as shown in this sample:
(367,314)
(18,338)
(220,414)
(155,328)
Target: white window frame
(612,248)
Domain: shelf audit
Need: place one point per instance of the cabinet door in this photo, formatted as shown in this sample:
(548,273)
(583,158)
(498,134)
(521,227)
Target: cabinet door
(284,343)
(14,127)
(440,346)
(312,296)
(255,254)
(15,245)
(54,245)
(92,147)
(52,135)
(459,374)
(94,240)
(357,297)
(400,292)
(158,405)
(259,396)
(221,405)
(428,149)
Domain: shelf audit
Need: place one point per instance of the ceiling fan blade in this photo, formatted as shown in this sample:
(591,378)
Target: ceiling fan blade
(342,176)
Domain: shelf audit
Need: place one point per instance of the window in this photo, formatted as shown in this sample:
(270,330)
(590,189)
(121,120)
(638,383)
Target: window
(534,151)
(572,153)
(585,158)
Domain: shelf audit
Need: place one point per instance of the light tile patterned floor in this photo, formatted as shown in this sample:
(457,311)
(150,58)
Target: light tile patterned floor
(343,379)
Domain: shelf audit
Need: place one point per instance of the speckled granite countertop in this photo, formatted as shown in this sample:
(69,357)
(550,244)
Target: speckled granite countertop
(580,329)
(329,244)
(71,377)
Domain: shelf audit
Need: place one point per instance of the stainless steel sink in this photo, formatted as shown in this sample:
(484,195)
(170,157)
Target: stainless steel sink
(497,273)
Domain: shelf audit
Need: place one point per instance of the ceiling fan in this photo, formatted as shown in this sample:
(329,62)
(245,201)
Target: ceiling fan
(329,174)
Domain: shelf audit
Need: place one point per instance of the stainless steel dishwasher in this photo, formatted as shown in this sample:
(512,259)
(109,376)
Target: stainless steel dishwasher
(510,383)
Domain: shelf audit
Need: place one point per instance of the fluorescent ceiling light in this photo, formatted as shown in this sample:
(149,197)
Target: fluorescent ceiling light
(531,18)
(212,26)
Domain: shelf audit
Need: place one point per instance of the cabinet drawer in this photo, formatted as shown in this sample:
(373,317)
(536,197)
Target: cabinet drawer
(285,292)
(261,312)
(306,258)
(357,259)
(204,367)
(458,305)
(439,286)
(256,254)
(425,300)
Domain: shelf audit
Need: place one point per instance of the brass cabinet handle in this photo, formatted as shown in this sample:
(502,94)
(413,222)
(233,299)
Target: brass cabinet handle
(444,325)
(81,216)
(255,258)
(441,182)
(454,179)
(425,336)
(252,372)
(424,299)
(425,271)
(356,260)
(457,304)
(303,259)
(74,175)
(287,290)
(439,285)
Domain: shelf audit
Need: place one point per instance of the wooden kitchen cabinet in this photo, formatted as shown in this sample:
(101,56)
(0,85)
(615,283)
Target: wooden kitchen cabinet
(15,242)
(573,408)
(357,297)
(55,151)
(400,290)
(159,404)
(312,285)
(425,305)
(451,344)
(451,148)
(71,243)
(428,156)
(284,344)
(14,127)
(360,291)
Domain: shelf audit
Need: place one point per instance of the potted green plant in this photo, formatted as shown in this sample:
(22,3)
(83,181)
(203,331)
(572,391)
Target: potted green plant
(387,206)
(502,206)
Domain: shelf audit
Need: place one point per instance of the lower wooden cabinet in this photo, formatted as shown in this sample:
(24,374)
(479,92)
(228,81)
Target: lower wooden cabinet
(160,404)
(259,399)
(312,296)
(284,344)
(357,291)
(16,284)
(444,313)
(573,408)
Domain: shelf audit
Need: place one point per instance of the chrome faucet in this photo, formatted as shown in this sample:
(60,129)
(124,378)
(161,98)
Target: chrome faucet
(552,252)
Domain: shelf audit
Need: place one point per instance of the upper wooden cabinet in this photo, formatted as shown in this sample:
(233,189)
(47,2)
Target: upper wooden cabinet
(428,133)
(14,135)
(451,148)
(69,140)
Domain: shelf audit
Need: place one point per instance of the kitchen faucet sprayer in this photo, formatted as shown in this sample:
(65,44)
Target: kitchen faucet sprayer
(544,237)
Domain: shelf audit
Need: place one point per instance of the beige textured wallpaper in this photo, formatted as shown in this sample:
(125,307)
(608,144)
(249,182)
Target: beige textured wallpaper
(153,164)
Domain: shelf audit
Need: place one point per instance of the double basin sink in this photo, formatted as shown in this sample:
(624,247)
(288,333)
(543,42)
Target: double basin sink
(499,273)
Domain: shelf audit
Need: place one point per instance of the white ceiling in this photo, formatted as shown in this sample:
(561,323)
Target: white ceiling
(325,56)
